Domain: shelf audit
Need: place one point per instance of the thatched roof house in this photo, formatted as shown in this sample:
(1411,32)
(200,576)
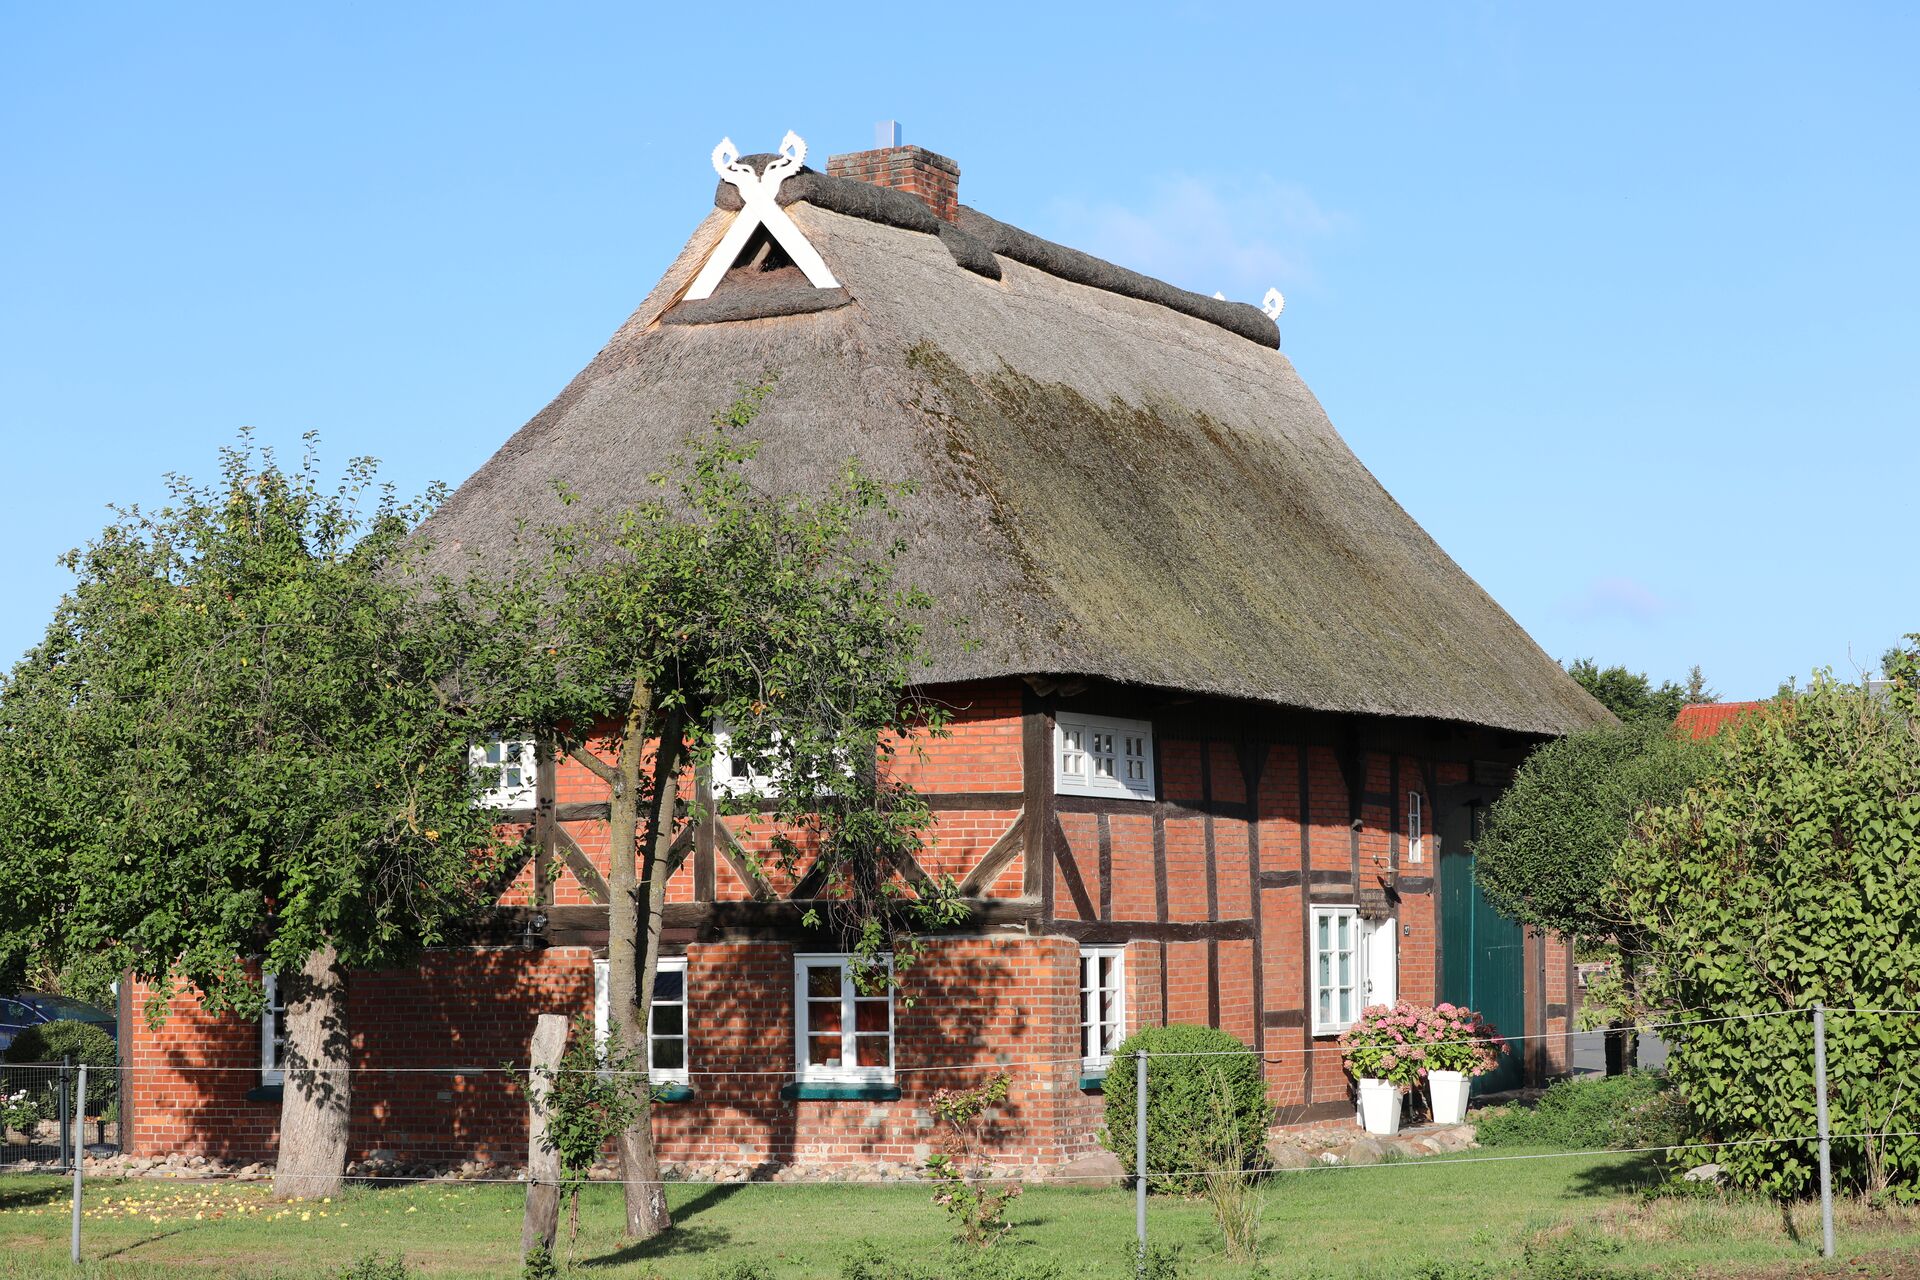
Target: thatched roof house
(1230,724)
(1116,478)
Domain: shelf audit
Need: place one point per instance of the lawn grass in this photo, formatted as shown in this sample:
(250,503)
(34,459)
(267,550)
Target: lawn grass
(1378,1221)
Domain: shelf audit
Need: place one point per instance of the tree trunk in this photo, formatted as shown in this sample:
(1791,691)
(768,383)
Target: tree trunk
(316,1103)
(541,1225)
(630,957)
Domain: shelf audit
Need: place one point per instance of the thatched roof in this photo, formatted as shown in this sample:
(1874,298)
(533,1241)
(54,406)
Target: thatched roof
(1115,478)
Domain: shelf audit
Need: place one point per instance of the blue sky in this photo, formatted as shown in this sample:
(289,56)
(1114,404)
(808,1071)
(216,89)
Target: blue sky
(1618,301)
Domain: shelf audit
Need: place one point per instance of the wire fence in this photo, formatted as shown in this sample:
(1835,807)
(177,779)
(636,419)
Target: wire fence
(471,1122)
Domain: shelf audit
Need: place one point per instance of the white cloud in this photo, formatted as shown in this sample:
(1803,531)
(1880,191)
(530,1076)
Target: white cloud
(1239,237)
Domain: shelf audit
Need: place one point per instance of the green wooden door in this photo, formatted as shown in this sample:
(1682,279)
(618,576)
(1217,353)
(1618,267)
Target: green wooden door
(1481,951)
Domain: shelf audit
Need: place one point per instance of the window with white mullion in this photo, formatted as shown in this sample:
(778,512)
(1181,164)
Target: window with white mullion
(1353,963)
(842,1032)
(273,1033)
(667,1022)
(1103,1014)
(666,1018)
(1103,756)
(509,769)
(1336,969)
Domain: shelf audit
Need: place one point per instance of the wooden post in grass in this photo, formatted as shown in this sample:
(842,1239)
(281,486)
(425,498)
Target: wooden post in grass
(541,1226)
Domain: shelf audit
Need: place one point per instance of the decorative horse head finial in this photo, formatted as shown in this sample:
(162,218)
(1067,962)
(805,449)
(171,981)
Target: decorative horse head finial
(757,194)
(726,163)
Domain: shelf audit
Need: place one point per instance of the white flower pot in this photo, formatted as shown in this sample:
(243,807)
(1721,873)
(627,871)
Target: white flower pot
(1380,1106)
(1447,1090)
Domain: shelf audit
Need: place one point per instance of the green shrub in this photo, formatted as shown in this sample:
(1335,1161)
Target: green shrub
(1185,1111)
(80,1041)
(539,1264)
(868,1261)
(739,1269)
(1574,1255)
(1637,1109)
(378,1266)
(1785,877)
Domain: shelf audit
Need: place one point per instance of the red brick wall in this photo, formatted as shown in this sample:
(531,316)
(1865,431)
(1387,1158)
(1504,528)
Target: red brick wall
(458,1009)
(980,1004)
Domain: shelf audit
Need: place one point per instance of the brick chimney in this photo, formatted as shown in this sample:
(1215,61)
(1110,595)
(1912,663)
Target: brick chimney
(934,179)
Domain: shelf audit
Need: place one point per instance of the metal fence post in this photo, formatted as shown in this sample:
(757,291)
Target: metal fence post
(1826,1144)
(1140,1153)
(79,1157)
(65,1138)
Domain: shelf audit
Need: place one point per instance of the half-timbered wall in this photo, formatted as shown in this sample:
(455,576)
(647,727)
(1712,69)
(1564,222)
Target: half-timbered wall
(1258,815)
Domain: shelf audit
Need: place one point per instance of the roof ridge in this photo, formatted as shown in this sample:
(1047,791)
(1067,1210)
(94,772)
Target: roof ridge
(977,240)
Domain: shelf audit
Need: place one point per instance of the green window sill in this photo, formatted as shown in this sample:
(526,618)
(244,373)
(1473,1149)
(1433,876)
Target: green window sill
(1093,1082)
(673,1092)
(266,1093)
(869,1092)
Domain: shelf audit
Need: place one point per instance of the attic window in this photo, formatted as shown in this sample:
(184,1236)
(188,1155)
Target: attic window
(1102,756)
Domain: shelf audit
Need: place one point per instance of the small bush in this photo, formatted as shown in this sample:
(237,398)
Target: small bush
(539,1264)
(742,1269)
(378,1266)
(80,1041)
(1184,1107)
(1617,1112)
(1575,1255)
(868,1261)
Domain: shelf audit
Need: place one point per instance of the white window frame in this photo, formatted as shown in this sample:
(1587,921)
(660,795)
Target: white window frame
(273,1033)
(749,783)
(1375,966)
(1081,743)
(501,794)
(681,1074)
(850,995)
(1416,828)
(1114,1026)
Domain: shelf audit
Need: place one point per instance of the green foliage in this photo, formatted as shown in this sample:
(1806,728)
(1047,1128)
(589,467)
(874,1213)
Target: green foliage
(378,1266)
(739,1269)
(238,739)
(1791,875)
(1637,1109)
(81,1042)
(1184,1109)
(867,1260)
(539,1264)
(1158,1262)
(1553,838)
(1633,697)
(976,1205)
(1901,668)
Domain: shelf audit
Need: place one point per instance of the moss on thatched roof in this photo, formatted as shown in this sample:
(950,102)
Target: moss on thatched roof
(1107,484)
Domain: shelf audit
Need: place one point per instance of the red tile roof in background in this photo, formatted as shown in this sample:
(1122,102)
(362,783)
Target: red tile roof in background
(1709,718)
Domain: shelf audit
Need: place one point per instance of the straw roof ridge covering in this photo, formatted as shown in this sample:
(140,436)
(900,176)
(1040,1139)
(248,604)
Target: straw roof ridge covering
(1104,486)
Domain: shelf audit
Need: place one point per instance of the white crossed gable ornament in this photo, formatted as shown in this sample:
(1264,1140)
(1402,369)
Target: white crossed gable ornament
(1273,304)
(757,191)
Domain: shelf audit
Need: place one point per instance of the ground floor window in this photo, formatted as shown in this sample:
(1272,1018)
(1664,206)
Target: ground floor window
(666,1019)
(842,1032)
(273,1033)
(1103,1005)
(1353,964)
